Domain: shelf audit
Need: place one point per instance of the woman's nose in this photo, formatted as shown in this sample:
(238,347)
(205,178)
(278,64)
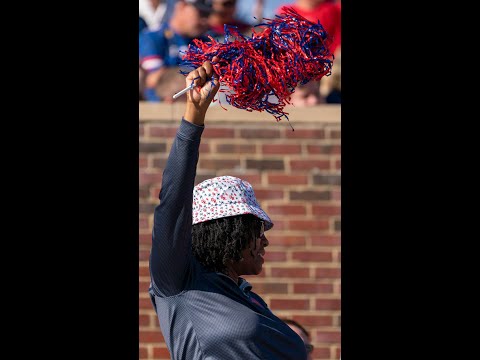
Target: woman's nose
(264,241)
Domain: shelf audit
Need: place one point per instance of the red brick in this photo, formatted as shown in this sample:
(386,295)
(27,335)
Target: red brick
(293,272)
(142,161)
(289,304)
(143,255)
(162,131)
(143,192)
(309,164)
(324,149)
(305,134)
(321,353)
(279,225)
(144,320)
(161,353)
(327,273)
(323,336)
(314,256)
(143,271)
(313,320)
(285,240)
(312,288)
(145,304)
(142,353)
(307,225)
(204,148)
(275,255)
(202,177)
(263,194)
(326,240)
(336,195)
(260,133)
(327,304)
(337,224)
(253,179)
(338,164)
(335,134)
(286,210)
(141,131)
(281,149)
(215,132)
(149,178)
(326,210)
(236,148)
(143,223)
(152,147)
(145,239)
(146,336)
(145,208)
(160,163)
(143,286)
(287,179)
(265,164)
(338,288)
(310,195)
(217,164)
(155,191)
(327,179)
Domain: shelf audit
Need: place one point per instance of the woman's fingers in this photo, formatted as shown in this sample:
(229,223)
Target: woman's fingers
(202,72)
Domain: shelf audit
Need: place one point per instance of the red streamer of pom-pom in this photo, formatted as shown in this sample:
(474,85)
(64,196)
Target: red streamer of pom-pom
(262,71)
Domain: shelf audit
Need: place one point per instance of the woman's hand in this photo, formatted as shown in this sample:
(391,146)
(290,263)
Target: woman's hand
(202,93)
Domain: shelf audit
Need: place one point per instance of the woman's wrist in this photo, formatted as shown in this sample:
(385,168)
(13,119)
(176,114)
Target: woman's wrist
(194,114)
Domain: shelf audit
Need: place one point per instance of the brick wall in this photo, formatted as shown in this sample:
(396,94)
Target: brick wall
(296,178)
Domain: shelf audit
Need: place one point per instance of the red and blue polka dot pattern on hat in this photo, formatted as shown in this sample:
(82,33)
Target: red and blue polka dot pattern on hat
(226,196)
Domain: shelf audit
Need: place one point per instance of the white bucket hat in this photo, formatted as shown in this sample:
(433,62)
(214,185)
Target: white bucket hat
(225,196)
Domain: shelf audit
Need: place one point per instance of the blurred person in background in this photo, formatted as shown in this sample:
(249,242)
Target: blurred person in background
(303,333)
(224,13)
(169,10)
(153,12)
(328,12)
(142,25)
(331,86)
(161,49)
(253,11)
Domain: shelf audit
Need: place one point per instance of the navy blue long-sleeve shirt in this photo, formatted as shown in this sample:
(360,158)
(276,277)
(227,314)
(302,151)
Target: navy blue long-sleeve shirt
(205,315)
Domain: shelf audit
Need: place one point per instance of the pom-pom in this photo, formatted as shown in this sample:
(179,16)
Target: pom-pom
(262,71)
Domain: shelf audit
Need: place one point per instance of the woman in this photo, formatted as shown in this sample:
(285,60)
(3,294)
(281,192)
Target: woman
(203,240)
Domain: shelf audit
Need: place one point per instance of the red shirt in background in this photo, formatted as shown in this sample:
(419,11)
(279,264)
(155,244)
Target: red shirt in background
(242,27)
(329,14)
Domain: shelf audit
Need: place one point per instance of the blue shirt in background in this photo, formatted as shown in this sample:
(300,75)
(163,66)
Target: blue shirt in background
(160,48)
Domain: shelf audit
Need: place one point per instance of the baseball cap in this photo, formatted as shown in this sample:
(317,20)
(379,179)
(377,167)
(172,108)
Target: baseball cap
(225,196)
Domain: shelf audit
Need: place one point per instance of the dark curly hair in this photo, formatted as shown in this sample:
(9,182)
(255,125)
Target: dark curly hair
(214,242)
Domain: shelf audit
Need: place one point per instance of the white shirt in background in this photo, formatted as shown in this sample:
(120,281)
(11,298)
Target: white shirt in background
(153,17)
